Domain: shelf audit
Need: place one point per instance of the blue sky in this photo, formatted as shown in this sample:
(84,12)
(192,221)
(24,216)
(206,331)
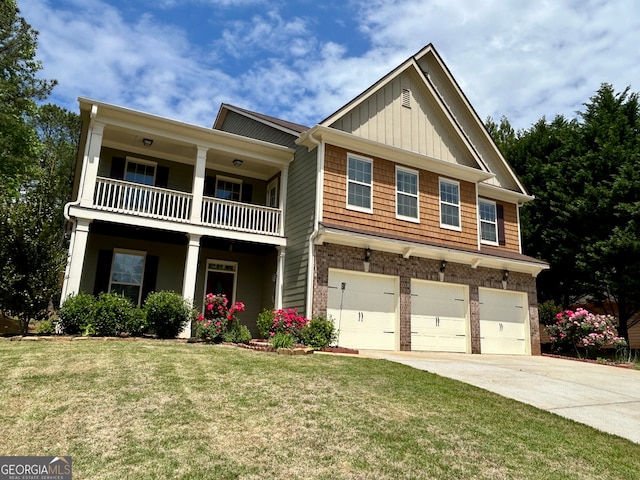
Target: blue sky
(302,60)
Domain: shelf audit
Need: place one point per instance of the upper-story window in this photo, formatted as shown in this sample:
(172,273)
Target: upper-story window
(140,171)
(407,194)
(450,204)
(488,222)
(359,183)
(228,188)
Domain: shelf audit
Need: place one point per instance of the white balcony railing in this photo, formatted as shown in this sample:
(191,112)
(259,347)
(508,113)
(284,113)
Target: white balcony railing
(240,216)
(135,199)
(153,202)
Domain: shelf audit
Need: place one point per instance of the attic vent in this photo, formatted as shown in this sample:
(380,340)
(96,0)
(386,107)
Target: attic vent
(406,97)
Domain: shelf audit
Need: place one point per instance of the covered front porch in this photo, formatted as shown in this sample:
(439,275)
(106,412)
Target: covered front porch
(137,261)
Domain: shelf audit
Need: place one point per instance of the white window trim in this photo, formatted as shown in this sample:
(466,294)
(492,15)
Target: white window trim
(415,219)
(142,162)
(356,207)
(495,224)
(441,202)
(231,180)
(213,261)
(272,185)
(140,253)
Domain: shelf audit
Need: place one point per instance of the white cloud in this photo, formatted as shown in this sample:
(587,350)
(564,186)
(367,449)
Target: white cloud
(522,60)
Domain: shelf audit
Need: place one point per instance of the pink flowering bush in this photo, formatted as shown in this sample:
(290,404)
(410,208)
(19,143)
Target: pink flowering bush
(584,331)
(283,322)
(219,322)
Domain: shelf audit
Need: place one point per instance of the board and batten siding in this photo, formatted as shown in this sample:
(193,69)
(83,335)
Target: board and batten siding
(478,138)
(421,128)
(299,222)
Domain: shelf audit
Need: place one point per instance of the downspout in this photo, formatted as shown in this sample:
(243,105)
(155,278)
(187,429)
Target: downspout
(318,212)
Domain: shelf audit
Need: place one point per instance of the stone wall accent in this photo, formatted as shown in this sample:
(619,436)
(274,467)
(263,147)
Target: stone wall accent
(351,258)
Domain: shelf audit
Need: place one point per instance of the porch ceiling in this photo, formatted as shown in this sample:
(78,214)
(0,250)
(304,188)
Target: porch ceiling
(129,140)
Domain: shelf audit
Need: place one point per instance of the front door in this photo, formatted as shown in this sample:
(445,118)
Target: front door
(221,278)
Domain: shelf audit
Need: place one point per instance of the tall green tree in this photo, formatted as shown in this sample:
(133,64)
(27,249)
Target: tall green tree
(585,220)
(37,154)
(33,247)
(20,90)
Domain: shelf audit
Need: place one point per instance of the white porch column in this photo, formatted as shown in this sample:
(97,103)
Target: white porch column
(90,164)
(279,281)
(75,260)
(284,182)
(190,276)
(198,184)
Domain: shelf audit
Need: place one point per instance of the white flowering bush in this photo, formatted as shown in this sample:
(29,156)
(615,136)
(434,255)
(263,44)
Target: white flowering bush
(584,331)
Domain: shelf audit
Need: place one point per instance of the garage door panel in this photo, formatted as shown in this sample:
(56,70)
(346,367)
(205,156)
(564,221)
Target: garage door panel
(503,322)
(364,311)
(439,317)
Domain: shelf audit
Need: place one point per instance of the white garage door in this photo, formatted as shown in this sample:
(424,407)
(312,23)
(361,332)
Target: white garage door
(439,317)
(364,309)
(504,322)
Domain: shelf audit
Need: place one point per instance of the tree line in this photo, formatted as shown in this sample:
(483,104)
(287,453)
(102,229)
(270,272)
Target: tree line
(585,219)
(583,172)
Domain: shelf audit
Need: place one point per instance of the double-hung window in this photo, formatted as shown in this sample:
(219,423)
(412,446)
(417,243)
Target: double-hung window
(450,204)
(140,171)
(488,222)
(359,183)
(228,188)
(127,272)
(407,194)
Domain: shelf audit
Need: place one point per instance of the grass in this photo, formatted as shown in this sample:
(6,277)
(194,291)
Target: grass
(153,409)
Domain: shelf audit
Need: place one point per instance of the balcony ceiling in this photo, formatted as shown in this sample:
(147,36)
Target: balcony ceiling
(175,150)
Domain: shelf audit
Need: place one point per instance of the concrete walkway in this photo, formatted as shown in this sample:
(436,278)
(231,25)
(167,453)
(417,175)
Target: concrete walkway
(604,397)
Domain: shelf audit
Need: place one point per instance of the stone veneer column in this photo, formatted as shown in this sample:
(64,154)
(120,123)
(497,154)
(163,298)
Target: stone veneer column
(534,324)
(405,313)
(474,313)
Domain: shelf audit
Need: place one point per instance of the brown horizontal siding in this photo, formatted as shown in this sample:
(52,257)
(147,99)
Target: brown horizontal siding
(383,219)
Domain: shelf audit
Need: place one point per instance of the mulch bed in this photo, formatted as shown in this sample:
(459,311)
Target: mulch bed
(588,360)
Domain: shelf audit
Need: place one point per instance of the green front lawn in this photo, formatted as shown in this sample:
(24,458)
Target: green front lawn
(161,409)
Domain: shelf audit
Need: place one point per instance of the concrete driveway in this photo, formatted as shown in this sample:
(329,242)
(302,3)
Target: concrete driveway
(604,397)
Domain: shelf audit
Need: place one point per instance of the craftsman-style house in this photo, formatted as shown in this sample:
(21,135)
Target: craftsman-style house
(396,215)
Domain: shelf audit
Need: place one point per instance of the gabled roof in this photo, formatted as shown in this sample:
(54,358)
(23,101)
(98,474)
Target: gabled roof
(288,127)
(418,63)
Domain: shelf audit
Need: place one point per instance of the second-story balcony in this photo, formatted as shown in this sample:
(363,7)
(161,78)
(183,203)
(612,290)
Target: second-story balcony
(161,203)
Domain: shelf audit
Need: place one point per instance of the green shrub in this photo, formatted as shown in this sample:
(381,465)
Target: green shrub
(239,334)
(137,324)
(320,332)
(548,311)
(75,313)
(282,340)
(112,314)
(167,313)
(264,323)
(45,327)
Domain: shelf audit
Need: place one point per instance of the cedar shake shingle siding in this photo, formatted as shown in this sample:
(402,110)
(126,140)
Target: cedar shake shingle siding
(383,219)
